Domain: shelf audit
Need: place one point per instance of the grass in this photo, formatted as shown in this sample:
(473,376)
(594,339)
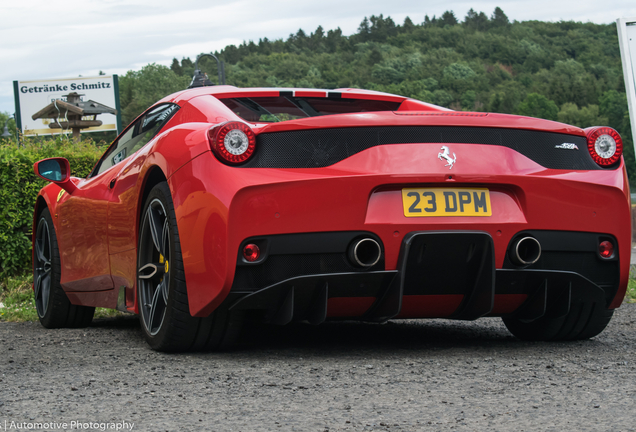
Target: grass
(16,299)
(17,303)
(630,296)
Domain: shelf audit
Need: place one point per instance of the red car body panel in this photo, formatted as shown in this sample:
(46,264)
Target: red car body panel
(219,206)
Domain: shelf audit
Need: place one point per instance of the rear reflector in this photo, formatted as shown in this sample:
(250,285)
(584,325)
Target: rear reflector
(606,249)
(251,252)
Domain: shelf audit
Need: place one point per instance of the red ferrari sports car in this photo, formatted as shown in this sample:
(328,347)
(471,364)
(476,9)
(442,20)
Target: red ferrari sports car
(309,205)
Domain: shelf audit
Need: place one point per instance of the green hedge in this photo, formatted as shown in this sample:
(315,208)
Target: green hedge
(19,187)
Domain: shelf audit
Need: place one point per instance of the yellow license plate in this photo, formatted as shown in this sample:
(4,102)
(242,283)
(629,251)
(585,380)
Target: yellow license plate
(421,202)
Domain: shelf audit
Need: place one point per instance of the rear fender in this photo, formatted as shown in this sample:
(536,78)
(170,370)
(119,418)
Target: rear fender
(158,161)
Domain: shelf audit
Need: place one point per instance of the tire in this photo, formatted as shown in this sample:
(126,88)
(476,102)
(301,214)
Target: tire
(585,320)
(162,296)
(53,307)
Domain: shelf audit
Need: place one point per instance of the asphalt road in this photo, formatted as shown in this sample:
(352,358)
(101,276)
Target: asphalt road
(401,376)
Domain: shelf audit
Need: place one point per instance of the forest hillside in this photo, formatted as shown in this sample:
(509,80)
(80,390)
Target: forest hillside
(565,71)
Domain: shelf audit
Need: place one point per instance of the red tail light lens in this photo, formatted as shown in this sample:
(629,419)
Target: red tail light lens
(232,142)
(251,252)
(606,249)
(605,145)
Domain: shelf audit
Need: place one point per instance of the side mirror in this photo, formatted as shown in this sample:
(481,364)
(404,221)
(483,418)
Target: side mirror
(56,170)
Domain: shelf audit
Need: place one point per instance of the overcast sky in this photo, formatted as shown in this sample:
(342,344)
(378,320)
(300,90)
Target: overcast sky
(66,38)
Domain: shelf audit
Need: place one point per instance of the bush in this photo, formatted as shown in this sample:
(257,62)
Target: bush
(20,188)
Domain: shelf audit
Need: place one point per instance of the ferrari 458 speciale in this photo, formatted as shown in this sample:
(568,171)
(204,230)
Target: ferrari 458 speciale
(221,203)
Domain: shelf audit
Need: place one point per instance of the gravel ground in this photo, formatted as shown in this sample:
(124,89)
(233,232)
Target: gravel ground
(401,376)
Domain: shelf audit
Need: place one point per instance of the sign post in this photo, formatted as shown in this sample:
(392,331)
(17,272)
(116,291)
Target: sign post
(627,41)
(32,95)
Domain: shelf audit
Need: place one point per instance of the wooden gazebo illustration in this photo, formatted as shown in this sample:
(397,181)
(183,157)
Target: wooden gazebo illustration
(69,114)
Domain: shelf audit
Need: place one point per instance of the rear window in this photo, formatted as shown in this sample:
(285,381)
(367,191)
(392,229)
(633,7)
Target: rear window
(276,109)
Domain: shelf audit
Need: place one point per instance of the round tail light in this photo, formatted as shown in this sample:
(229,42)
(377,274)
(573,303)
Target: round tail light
(232,142)
(605,145)
(251,252)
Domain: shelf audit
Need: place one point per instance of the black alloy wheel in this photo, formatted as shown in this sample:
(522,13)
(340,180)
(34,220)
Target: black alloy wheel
(162,295)
(153,275)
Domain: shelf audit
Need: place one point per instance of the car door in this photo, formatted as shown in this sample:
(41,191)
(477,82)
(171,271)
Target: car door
(85,215)
(83,235)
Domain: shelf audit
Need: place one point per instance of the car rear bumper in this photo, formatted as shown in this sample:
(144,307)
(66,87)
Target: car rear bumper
(439,274)
(218,214)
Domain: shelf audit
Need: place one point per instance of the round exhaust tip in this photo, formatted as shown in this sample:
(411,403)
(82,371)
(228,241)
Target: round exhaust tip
(525,251)
(365,252)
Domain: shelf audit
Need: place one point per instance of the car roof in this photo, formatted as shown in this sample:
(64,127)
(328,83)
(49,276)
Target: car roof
(226,91)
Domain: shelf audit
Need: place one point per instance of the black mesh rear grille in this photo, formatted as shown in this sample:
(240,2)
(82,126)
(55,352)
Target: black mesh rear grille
(278,268)
(323,147)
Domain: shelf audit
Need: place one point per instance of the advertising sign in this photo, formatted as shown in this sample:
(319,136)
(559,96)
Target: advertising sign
(627,40)
(33,95)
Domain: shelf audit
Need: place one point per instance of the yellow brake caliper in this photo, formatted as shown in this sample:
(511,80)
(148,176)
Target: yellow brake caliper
(166,266)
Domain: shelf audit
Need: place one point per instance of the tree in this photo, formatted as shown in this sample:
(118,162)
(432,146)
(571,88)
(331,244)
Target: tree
(364,30)
(375,56)
(408,25)
(536,105)
(185,68)
(381,28)
(583,117)
(140,89)
(7,119)
(333,39)
(442,98)
(458,71)
(613,105)
(448,18)
(316,40)
(568,81)
(499,18)
(458,77)
(506,97)
(176,67)
(476,21)
(468,100)
(386,74)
